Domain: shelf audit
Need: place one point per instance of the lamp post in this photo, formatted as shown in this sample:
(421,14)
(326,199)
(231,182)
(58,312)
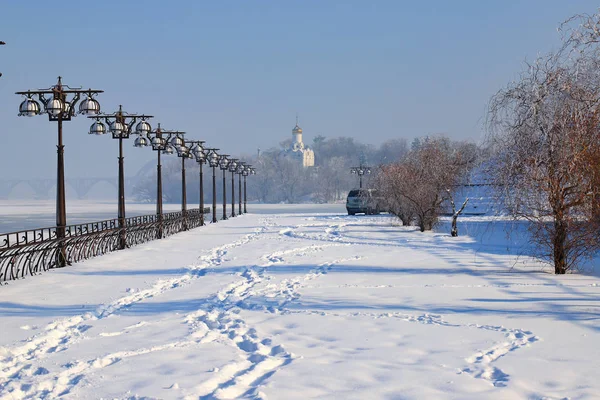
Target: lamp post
(245,173)
(159,139)
(240,169)
(183,152)
(233,164)
(1,44)
(200,154)
(120,124)
(252,171)
(213,162)
(224,165)
(59,109)
(360,171)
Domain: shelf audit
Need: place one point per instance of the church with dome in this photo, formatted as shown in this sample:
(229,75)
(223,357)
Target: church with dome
(298,150)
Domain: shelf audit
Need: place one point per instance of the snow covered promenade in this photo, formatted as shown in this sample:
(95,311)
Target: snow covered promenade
(303,306)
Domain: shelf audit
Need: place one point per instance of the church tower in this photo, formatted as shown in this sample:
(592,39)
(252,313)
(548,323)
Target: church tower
(305,155)
(297,135)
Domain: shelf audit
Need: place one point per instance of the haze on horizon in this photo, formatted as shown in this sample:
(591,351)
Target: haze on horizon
(236,73)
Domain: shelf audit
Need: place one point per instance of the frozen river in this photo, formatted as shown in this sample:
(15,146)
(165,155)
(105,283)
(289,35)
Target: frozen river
(16,215)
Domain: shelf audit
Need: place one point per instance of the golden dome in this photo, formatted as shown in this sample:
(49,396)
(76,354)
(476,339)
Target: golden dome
(296,130)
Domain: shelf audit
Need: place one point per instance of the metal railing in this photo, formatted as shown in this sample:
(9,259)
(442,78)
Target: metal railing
(31,252)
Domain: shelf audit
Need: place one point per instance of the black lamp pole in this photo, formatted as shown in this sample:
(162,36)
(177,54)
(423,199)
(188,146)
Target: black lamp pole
(232,168)
(59,109)
(245,171)
(202,157)
(213,162)
(245,198)
(184,152)
(239,171)
(201,161)
(224,165)
(360,171)
(1,44)
(120,125)
(160,144)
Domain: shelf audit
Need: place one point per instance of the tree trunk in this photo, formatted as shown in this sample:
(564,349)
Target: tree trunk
(559,241)
(454,231)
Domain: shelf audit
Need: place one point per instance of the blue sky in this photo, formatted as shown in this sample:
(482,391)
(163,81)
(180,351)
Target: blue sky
(234,73)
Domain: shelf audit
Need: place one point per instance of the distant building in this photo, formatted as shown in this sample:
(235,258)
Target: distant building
(298,150)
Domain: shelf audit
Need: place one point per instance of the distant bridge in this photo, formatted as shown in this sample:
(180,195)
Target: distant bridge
(82,186)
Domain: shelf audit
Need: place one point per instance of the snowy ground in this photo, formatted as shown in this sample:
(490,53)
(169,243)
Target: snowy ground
(298,306)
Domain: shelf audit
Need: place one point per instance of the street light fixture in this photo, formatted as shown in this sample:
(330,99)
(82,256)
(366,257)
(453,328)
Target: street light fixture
(224,165)
(233,165)
(1,44)
(245,173)
(360,171)
(213,162)
(159,140)
(59,109)
(183,152)
(239,170)
(120,124)
(200,154)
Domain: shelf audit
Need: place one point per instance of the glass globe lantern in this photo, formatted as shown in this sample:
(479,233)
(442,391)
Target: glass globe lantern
(89,106)
(233,165)
(143,128)
(223,162)
(55,107)
(213,159)
(117,128)
(97,128)
(29,108)
(66,108)
(168,149)
(140,141)
(176,141)
(199,152)
(183,150)
(158,143)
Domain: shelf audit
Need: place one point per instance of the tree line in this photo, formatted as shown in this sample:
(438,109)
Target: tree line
(280,177)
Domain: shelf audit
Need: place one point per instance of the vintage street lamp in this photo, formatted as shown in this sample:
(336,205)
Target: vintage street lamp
(200,154)
(213,162)
(120,125)
(183,152)
(360,171)
(238,171)
(59,108)
(1,44)
(233,165)
(224,165)
(159,140)
(245,173)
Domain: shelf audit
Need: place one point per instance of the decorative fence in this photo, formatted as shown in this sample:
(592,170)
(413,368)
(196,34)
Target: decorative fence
(33,251)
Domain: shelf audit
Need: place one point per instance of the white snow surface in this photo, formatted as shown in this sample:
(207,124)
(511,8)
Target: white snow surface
(304,306)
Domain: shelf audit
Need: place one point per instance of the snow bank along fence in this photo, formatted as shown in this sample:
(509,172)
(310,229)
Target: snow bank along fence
(33,251)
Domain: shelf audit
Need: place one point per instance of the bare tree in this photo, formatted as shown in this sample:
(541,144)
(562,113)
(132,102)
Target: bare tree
(391,183)
(417,186)
(455,212)
(544,132)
